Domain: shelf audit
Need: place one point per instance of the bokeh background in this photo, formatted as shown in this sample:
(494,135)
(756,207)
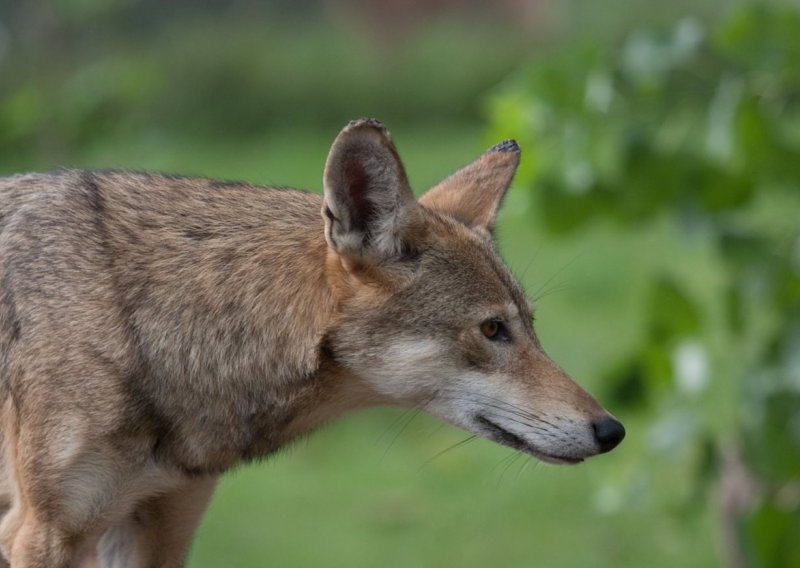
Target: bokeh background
(655,220)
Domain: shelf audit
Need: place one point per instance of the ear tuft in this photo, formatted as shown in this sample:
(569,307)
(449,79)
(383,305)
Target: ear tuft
(505,146)
(368,122)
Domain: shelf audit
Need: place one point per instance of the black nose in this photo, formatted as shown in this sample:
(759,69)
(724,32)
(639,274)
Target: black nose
(609,433)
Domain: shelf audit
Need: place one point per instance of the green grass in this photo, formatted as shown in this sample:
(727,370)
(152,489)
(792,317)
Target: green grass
(351,497)
(348,498)
(365,491)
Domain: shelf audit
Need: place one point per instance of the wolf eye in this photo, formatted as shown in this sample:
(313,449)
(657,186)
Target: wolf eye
(494,330)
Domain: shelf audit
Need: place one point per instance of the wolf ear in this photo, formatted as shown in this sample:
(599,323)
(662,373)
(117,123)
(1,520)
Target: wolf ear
(473,194)
(368,202)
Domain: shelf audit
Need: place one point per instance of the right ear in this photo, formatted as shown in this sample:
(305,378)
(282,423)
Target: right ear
(368,202)
(474,193)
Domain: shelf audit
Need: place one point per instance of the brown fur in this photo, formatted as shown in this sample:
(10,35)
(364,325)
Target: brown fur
(155,331)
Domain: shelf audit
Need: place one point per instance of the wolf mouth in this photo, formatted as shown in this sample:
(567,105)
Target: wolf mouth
(500,435)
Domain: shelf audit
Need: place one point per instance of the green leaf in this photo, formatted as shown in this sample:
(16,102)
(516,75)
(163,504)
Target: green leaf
(628,385)
(772,537)
(755,137)
(772,442)
(763,38)
(673,314)
(734,308)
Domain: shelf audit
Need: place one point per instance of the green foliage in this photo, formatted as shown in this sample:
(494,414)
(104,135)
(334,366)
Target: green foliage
(701,125)
(225,78)
(771,532)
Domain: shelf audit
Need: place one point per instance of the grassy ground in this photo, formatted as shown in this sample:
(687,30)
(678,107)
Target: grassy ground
(369,491)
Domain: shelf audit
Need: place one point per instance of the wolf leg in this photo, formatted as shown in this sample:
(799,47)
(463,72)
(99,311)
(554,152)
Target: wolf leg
(159,530)
(65,495)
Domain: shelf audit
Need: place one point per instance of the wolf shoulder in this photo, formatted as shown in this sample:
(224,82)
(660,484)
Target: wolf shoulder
(76,238)
(98,247)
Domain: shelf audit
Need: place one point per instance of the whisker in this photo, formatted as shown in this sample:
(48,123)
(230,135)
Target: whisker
(514,457)
(521,412)
(557,289)
(437,429)
(504,459)
(557,273)
(514,417)
(449,448)
(407,423)
(405,420)
(394,423)
(525,465)
(499,400)
(530,262)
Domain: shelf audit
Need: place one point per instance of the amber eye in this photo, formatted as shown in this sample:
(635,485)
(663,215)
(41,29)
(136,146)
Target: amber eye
(489,328)
(494,330)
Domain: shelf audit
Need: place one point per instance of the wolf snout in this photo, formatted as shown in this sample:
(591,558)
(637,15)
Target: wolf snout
(608,432)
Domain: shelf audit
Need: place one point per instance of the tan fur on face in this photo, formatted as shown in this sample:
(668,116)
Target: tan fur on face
(155,331)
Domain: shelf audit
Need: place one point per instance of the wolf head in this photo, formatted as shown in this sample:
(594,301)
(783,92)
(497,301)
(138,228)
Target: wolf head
(429,315)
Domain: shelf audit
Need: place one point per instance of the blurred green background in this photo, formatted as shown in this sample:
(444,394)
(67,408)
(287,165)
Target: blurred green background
(655,220)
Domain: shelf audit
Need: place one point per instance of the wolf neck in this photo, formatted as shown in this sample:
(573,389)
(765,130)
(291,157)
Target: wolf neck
(336,390)
(306,386)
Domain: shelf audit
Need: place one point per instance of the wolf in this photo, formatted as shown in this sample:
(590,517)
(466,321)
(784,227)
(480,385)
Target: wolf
(156,331)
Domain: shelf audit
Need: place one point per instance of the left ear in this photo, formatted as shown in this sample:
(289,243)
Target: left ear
(369,208)
(473,194)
